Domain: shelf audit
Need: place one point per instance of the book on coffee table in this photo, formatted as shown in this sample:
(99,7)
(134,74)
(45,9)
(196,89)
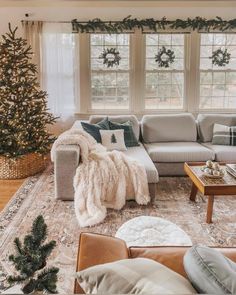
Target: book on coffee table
(231,168)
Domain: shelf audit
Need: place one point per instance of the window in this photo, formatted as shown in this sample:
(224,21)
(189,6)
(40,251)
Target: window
(110,87)
(217,84)
(164,87)
(58,50)
(78,81)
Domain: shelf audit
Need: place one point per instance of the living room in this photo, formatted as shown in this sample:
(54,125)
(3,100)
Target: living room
(117,147)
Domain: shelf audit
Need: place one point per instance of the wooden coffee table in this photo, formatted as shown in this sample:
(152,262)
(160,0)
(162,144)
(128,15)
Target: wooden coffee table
(208,186)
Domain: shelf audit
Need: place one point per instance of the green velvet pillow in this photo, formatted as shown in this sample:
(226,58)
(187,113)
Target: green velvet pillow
(94,129)
(130,138)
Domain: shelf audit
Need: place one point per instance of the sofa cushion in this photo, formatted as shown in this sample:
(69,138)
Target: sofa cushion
(139,153)
(118,119)
(178,152)
(133,276)
(167,128)
(223,153)
(206,123)
(209,271)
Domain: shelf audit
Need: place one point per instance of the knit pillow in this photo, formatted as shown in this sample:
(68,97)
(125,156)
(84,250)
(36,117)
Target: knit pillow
(130,138)
(93,129)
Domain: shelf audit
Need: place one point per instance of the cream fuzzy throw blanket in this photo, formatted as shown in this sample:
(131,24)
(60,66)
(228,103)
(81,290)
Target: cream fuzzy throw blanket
(103,179)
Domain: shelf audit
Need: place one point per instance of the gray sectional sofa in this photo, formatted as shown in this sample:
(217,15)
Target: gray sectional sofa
(166,142)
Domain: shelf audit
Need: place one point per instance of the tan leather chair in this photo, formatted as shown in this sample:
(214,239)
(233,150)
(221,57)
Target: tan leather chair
(98,249)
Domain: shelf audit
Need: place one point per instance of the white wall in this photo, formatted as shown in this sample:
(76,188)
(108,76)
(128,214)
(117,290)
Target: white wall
(56,10)
(14,11)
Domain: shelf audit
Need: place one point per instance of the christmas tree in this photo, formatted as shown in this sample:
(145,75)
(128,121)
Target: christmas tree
(23,108)
(30,260)
(113,138)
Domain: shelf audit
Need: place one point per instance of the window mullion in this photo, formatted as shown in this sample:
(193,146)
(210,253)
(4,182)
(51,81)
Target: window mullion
(193,73)
(137,72)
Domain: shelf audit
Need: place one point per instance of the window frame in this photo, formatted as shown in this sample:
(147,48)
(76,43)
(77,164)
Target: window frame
(211,110)
(137,79)
(185,72)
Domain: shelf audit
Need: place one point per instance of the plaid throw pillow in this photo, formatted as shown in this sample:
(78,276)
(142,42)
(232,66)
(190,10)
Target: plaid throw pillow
(133,276)
(130,138)
(224,135)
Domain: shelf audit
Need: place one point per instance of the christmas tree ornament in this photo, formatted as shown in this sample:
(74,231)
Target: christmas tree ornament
(220,57)
(111,57)
(165,57)
(22,107)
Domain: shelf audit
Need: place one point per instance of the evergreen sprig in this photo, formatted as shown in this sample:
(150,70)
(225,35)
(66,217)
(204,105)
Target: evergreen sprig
(31,258)
(23,106)
(151,24)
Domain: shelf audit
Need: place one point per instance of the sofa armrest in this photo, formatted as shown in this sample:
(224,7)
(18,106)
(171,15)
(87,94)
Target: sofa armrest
(66,161)
(98,249)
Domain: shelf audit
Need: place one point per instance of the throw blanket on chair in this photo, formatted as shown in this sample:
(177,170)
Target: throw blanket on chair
(103,179)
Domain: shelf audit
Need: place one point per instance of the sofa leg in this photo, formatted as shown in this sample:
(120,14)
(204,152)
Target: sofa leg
(152,190)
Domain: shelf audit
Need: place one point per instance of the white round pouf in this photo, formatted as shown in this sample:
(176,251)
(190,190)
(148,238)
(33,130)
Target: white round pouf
(152,231)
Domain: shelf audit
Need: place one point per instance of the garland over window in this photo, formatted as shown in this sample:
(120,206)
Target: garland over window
(129,24)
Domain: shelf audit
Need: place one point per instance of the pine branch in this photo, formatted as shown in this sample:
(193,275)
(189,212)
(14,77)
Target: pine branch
(47,249)
(18,246)
(30,287)
(39,230)
(15,279)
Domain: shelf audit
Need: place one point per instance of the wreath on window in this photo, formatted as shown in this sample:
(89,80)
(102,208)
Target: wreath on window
(165,57)
(111,57)
(220,57)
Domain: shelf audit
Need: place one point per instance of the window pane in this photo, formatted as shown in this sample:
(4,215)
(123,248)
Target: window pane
(110,86)
(217,84)
(164,86)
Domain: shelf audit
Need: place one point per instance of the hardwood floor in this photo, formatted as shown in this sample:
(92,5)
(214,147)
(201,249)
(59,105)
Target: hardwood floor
(8,189)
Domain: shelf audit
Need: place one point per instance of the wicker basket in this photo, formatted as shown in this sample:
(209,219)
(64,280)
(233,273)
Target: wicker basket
(22,167)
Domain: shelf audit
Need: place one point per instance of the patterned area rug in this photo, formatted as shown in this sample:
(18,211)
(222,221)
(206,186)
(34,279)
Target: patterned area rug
(36,196)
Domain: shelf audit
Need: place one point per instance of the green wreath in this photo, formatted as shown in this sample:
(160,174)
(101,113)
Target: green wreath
(220,57)
(165,57)
(111,57)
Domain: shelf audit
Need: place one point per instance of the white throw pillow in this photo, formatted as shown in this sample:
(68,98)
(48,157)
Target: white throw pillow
(113,139)
(133,276)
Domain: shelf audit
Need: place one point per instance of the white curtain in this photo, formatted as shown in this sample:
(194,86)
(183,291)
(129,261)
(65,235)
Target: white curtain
(59,69)
(32,32)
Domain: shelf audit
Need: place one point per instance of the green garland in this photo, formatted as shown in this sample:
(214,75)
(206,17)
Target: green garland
(129,24)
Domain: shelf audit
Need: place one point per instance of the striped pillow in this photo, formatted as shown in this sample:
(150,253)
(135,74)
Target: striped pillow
(133,276)
(224,135)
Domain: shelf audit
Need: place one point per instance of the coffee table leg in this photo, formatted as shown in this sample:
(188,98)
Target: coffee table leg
(193,193)
(210,209)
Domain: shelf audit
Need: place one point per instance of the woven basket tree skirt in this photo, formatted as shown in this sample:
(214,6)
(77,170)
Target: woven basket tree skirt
(152,231)
(22,167)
